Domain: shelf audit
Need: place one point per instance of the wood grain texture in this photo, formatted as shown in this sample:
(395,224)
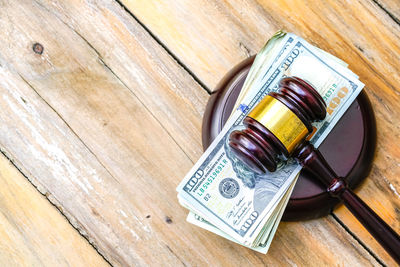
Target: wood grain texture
(391,7)
(32,231)
(106,124)
(209,37)
(359,32)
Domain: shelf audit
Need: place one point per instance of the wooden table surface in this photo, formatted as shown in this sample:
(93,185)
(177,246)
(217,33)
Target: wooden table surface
(102,119)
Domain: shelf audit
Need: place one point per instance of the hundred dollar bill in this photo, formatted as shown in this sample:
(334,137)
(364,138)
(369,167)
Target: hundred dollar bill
(270,227)
(266,57)
(264,60)
(236,200)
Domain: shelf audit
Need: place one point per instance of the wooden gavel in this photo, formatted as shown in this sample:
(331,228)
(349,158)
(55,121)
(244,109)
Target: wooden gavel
(278,126)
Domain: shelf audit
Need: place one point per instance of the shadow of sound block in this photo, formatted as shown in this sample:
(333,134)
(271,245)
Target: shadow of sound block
(349,148)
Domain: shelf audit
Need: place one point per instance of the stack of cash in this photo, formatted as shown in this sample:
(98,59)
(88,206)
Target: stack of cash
(223,195)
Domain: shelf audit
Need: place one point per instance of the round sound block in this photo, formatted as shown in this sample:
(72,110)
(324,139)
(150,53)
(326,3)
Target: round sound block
(349,147)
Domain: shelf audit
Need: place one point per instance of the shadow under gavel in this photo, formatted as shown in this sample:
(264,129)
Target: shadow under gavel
(278,126)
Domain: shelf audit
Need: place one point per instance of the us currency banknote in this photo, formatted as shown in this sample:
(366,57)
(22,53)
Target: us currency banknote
(269,228)
(230,197)
(268,55)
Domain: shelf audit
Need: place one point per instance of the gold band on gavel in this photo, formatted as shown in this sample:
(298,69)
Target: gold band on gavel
(281,121)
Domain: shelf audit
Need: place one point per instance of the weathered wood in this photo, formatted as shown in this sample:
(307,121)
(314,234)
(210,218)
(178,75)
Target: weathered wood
(209,37)
(32,231)
(391,7)
(359,32)
(106,124)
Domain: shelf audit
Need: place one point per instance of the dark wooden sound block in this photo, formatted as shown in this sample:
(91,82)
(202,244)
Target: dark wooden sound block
(349,147)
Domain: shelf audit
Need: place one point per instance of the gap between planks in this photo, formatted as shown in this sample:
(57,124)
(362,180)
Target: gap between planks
(356,238)
(180,63)
(47,195)
(390,14)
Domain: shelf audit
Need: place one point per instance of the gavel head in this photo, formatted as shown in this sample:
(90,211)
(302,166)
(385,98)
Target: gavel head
(277,125)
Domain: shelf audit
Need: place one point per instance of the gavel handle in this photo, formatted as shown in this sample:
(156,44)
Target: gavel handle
(312,160)
(380,230)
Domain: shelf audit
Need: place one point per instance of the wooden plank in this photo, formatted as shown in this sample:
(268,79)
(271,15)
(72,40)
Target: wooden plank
(91,123)
(36,234)
(209,37)
(391,7)
(359,32)
(164,90)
